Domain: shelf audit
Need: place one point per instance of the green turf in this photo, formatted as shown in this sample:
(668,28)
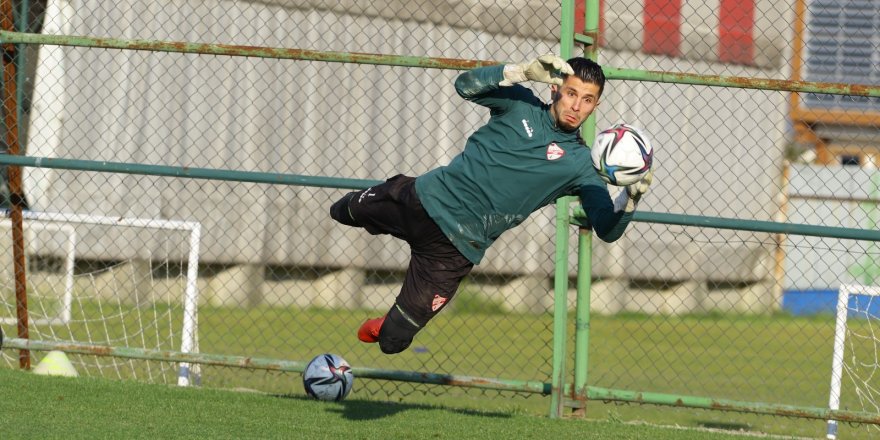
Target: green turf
(769,358)
(87,408)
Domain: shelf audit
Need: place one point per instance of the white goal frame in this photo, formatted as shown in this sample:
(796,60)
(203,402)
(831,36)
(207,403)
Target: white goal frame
(189,333)
(843,293)
(69,259)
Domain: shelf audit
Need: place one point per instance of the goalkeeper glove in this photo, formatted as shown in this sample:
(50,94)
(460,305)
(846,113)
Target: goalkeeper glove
(545,69)
(631,194)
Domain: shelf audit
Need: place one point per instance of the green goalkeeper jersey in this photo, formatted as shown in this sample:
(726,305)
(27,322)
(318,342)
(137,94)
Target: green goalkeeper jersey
(517,163)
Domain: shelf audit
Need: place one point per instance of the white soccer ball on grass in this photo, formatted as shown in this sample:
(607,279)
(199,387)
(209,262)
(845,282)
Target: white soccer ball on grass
(328,377)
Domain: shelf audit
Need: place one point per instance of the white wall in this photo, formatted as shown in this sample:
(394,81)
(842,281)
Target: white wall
(365,122)
(839,196)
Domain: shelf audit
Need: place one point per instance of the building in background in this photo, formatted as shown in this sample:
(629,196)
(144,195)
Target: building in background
(837,147)
(302,117)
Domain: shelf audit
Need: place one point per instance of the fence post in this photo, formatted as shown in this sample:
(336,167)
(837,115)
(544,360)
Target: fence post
(16,197)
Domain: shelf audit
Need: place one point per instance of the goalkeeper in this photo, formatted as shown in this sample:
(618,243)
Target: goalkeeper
(528,155)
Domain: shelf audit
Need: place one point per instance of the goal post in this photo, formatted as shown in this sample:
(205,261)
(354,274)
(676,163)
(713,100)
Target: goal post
(91,294)
(858,300)
(38,243)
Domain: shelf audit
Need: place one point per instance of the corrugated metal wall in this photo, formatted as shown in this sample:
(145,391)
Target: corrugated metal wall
(367,122)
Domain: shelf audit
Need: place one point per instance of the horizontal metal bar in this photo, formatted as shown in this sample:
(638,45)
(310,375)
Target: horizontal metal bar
(742,82)
(842,199)
(593,393)
(337,182)
(611,395)
(242,51)
(189,172)
(88,219)
(428,62)
(588,40)
(276,365)
(579,218)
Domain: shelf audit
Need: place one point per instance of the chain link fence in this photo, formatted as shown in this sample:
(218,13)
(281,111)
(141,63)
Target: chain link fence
(678,309)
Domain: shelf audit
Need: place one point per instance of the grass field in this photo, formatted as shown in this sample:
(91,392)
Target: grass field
(773,359)
(88,408)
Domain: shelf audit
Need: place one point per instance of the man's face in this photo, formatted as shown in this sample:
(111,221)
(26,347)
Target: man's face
(573,102)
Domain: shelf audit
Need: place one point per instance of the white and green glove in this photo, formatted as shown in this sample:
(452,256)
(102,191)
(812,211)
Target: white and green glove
(629,197)
(545,69)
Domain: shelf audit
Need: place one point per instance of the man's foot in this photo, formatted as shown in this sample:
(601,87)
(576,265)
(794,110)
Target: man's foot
(369,331)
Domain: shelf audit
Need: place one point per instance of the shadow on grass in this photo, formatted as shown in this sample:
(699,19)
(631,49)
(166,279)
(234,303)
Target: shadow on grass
(724,426)
(354,409)
(368,410)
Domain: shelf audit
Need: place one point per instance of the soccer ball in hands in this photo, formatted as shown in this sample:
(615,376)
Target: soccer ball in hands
(622,154)
(328,377)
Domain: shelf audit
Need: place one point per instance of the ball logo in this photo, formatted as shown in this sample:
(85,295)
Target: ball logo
(437,302)
(554,152)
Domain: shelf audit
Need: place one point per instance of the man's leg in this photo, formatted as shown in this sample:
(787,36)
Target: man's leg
(376,209)
(431,281)
(397,331)
(435,269)
(341,211)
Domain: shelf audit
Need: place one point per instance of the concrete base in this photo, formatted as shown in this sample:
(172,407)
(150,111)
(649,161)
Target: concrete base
(129,283)
(237,286)
(751,298)
(345,288)
(607,296)
(525,294)
(340,289)
(677,299)
(246,286)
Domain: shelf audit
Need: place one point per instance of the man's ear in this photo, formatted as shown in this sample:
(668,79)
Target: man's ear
(554,92)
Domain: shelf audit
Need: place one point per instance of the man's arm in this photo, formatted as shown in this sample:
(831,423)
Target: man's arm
(479,81)
(608,223)
(608,219)
(478,84)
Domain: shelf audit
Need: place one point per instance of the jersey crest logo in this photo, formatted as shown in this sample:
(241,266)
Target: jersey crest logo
(554,152)
(437,302)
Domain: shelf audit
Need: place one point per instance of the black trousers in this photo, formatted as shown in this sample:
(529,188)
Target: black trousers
(436,267)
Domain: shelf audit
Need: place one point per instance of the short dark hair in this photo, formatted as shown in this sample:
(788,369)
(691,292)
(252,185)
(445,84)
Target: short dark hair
(588,71)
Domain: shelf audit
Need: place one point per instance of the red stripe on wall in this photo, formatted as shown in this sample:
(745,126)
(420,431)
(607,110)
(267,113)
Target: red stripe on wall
(662,35)
(579,10)
(735,42)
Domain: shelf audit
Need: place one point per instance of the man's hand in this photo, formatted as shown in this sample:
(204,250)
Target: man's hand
(629,197)
(545,69)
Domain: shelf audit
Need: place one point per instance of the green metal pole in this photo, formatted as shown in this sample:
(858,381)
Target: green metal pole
(434,63)
(256,363)
(560,308)
(752,225)
(22,25)
(594,393)
(585,242)
(560,281)
(187,172)
(577,214)
(244,51)
(582,318)
(682,401)
(566,29)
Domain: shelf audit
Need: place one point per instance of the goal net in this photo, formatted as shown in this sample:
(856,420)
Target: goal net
(855,366)
(107,281)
